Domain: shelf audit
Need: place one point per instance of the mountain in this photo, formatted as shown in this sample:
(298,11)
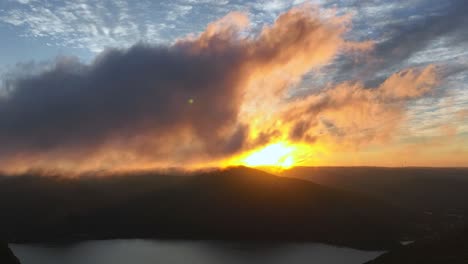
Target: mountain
(6,255)
(447,248)
(234,204)
(442,191)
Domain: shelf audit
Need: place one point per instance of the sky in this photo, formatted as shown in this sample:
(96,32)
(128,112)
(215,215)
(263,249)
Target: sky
(112,85)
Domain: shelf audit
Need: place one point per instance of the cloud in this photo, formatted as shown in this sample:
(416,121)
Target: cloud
(410,41)
(350,114)
(462,114)
(24,1)
(93,25)
(162,105)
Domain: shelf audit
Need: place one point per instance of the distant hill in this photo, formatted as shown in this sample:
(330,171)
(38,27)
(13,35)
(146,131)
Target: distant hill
(237,203)
(6,255)
(430,190)
(449,248)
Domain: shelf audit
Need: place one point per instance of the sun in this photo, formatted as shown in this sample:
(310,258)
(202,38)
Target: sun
(281,154)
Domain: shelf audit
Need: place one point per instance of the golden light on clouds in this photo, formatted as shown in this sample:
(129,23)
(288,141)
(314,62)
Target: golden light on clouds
(220,98)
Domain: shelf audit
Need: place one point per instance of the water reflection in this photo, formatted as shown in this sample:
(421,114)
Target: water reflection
(138,251)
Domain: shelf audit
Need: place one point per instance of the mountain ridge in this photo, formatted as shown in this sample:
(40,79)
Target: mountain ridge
(232,204)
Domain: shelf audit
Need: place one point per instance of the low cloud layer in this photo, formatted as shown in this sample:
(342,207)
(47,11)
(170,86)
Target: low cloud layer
(203,99)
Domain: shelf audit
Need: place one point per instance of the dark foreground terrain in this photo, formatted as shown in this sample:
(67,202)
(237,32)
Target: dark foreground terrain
(6,256)
(450,248)
(366,208)
(233,204)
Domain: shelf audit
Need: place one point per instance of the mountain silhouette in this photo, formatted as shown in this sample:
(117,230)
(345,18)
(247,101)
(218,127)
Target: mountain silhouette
(232,204)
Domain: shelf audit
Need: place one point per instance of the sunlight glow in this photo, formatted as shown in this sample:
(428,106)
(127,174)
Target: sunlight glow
(280,154)
(274,155)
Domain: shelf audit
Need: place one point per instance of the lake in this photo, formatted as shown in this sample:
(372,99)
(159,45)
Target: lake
(139,251)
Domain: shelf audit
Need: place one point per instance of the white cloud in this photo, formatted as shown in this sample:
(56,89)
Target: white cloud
(24,1)
(82,23)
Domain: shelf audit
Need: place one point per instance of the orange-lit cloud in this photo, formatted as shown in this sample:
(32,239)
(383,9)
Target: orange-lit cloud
(202,101)
(351,114)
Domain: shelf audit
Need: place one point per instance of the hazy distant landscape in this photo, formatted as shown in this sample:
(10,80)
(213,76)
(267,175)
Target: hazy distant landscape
(434,191)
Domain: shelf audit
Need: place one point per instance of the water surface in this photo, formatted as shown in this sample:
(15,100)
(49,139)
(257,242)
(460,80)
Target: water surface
(138,251)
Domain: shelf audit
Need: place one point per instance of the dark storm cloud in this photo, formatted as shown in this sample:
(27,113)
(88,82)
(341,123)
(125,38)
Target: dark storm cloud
(124,94)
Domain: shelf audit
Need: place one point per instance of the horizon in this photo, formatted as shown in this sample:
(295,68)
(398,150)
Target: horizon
(180,171)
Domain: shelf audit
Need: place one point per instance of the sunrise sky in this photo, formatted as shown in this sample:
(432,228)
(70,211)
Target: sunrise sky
(119,85)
